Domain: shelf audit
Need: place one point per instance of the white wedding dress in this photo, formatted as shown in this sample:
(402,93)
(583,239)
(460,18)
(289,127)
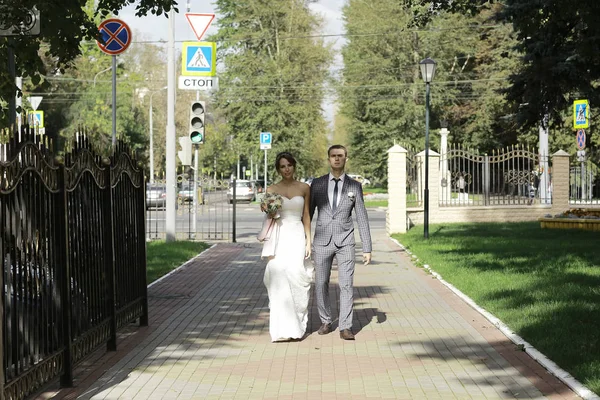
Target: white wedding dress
(288,275)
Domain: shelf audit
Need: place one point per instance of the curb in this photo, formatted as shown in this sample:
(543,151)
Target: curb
(544,361)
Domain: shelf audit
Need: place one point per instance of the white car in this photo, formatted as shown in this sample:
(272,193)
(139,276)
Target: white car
(244,191)
(364,181)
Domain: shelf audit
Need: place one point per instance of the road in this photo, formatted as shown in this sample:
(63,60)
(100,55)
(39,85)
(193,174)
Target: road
(216,217)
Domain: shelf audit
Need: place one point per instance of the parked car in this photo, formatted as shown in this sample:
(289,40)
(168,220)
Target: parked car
(186,193)
(258,185)
(364,181)
(244,191)
(156,195)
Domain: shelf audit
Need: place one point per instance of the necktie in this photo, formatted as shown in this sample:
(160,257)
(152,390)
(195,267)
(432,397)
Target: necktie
(335,194)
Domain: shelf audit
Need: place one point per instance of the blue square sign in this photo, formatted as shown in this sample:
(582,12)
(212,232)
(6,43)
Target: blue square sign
(265,140)
(198,59)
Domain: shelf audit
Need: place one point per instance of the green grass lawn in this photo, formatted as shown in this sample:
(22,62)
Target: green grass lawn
(376,203)
(164,257)
(543,284)
(370,189)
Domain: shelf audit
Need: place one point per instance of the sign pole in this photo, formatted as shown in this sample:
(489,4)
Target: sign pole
(116,38)
(195,188)
(195,185)
(265,189)
(114,101)
(583,178)
(544,191)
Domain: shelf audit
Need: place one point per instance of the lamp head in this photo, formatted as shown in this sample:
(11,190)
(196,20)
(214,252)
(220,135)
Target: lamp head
(427,69)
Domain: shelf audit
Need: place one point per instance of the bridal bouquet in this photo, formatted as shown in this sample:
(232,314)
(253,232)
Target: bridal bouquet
(271,204)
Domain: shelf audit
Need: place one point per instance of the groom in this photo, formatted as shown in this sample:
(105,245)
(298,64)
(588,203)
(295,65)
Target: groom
(335,195)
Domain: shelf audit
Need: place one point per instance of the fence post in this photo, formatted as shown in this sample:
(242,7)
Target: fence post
(233,204)
(560,182)
(486,180)
(109,254)
(434,181)
(445,177)
(396,212)
(142,249)
(64,281)
(3,367)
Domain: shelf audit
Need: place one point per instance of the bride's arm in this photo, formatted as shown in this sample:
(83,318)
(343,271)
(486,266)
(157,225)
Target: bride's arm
(306,220)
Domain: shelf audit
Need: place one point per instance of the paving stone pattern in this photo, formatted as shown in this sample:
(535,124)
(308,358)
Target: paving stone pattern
(208,339)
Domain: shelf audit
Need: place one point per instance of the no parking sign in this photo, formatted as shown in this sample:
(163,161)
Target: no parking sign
(116,35)
(581,139)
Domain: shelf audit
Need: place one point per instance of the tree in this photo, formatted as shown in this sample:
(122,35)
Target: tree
(483,117)
(381,90)
(60,40)
(273,80)
(557,41)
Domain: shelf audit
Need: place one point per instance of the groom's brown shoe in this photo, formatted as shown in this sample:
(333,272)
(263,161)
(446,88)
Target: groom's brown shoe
(324,329)
(346,334)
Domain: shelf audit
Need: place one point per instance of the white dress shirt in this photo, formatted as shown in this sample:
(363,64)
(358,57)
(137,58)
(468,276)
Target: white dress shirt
(331,187)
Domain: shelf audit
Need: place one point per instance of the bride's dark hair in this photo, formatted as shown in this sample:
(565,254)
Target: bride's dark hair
(288,156)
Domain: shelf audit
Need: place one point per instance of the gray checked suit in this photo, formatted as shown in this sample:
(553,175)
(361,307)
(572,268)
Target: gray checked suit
(334,236)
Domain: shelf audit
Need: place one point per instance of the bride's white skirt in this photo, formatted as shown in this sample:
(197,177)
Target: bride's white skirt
(288,278)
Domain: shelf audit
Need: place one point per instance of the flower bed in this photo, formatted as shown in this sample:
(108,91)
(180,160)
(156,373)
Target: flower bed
(578,218)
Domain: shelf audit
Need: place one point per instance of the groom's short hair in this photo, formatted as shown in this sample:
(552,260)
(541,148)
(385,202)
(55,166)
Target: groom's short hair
(337,146)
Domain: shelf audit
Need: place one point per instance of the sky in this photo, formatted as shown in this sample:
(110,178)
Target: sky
(155,28)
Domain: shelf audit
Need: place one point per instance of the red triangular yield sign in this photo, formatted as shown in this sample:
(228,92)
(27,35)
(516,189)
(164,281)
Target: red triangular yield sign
(199,23)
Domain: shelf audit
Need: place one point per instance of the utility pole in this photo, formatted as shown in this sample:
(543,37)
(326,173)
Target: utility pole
(195,185)
(544,192)
(171,212)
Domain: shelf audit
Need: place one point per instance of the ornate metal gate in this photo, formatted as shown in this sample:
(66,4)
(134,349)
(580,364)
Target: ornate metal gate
(516,175)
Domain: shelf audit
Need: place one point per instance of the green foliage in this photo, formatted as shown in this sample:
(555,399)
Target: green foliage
(557,62)
(382,92)
(559,40)
(273,79)
(376,82)
(59,43)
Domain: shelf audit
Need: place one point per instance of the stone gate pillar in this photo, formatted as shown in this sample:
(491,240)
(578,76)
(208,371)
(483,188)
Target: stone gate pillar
(396,212)
(559,186)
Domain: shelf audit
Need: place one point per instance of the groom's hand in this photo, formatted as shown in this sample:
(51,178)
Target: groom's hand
(366,258)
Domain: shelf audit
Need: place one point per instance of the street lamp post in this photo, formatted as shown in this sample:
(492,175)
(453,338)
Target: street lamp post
(151,136)
(427,73)
(104,70)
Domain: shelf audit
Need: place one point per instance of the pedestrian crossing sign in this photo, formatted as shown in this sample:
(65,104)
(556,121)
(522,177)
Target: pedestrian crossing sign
(36,119)
(581,114)
(199,59)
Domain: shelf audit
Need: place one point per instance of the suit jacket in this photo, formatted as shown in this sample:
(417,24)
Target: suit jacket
(338,227)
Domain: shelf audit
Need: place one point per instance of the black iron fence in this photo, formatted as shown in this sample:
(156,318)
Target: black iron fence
(414,177)
(584,178)
(72,248)
(204,211)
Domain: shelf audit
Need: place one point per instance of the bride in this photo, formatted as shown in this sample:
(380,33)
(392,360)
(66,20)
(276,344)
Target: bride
(289,272)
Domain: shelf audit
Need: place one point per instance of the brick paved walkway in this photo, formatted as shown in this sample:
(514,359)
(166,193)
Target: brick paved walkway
(208,339)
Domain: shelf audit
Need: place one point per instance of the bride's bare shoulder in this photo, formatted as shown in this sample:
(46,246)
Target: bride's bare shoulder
(273,188)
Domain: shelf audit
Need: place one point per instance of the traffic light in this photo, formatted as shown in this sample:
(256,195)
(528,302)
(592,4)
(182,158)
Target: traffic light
(197,113)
